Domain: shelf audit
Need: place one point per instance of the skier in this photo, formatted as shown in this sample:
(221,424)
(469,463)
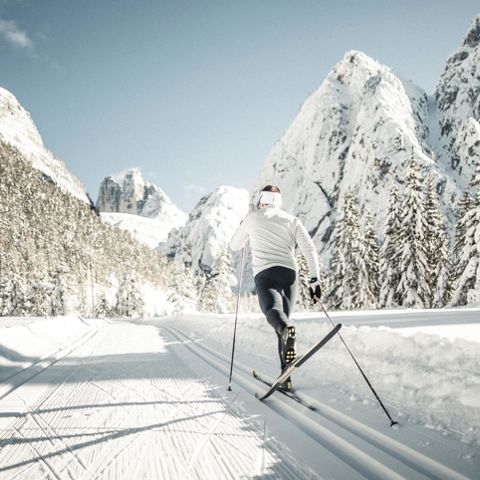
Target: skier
(273,235)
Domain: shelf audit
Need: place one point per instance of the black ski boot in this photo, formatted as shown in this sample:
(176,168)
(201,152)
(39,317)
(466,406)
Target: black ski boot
(286,385)
(289,343)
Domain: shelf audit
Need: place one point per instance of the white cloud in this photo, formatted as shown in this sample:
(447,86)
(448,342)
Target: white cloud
(12,34)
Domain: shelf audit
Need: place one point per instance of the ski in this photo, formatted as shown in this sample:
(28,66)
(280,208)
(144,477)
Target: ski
(298,362)
(292,394)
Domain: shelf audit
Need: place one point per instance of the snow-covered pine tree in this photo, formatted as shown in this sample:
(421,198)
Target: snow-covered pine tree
(467,285)
(102,309)
(129,299)
(465,204)
(368,261)
(58,304)
(217,295)
(18,301)
(304,302)
(184,293)
(437,250)
(346,265)
(40,295)
(390,253)
(413,287)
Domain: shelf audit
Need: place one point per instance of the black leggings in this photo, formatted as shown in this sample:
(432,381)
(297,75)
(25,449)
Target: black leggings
(277,289)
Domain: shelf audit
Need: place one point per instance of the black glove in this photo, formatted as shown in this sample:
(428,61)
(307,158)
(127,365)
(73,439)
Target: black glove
(315,290)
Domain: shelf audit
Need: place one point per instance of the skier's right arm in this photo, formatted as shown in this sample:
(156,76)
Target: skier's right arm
(240,236)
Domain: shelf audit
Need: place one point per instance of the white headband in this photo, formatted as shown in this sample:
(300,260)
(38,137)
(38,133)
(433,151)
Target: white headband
(271,198)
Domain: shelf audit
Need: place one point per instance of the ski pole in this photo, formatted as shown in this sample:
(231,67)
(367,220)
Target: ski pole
(392,422)
(236,317)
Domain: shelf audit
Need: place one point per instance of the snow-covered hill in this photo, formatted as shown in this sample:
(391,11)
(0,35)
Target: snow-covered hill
(209,228)
(150,231)
(17,129)
(129,202)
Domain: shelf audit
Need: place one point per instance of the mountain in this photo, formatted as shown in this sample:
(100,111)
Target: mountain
(356,132)
(129,202)
(209,228)
(18,130)
(457,108)
(360,128)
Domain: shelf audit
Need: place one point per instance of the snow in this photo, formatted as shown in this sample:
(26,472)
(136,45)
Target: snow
(209,228)
(17,129)
(149,231)
(104,397)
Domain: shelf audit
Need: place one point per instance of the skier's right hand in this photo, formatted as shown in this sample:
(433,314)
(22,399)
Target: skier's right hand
(315,290)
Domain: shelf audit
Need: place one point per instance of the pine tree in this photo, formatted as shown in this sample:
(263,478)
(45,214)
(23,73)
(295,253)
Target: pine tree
(369,261)
(413,287)
(304,300)
(346,264)
(129,299)
(390,253)
(467,285)
(58,304)
(183,289)
(217,295)
(465,204)
(102,309)
(437,250)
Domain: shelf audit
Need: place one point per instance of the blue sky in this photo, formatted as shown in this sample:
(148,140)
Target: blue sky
(195,93)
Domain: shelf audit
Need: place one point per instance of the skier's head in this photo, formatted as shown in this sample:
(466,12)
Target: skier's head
(270,196)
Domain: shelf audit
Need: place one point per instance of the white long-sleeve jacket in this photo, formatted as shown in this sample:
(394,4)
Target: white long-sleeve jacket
(273,235)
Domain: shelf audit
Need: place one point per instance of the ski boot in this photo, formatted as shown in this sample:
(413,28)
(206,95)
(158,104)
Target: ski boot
(286,385)
(289,342)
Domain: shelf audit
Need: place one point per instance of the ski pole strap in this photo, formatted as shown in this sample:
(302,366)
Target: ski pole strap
(392,422)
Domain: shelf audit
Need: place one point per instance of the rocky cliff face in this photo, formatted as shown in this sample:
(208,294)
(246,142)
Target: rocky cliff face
(457,109)
(18,130)
(128,192)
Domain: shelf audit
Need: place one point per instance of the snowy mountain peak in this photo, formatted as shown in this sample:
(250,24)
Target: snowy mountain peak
(472,38)
(18,130)
(209,228)
(128,192)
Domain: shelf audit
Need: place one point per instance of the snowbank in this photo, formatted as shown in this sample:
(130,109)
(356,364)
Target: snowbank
(24,341)
(425,378)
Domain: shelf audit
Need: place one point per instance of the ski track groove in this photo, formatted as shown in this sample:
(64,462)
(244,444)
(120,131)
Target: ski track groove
(411,458)
(208,438)
(40,457)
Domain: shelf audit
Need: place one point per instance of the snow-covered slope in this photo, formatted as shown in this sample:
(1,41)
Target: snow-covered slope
(357,131)
(150,231)
(17,129)
(129,202)
(457,102)
(209,228)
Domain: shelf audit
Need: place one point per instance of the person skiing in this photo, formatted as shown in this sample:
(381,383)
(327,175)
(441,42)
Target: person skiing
(273,236)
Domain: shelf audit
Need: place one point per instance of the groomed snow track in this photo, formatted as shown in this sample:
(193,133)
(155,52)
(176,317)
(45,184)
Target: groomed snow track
(134,401)
(366,450)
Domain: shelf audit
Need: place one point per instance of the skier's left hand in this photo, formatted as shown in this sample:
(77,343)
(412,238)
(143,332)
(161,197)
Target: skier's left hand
(315,290)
